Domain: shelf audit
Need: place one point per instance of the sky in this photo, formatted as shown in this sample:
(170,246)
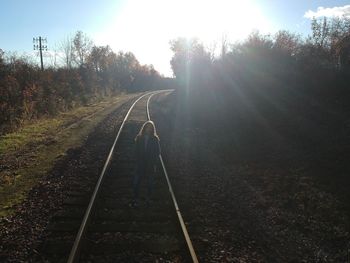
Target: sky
(145,27)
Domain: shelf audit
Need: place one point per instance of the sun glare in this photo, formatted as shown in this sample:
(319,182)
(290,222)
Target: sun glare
(146,27)
(209,20)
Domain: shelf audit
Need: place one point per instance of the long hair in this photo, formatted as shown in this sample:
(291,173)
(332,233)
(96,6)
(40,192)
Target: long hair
(143,130)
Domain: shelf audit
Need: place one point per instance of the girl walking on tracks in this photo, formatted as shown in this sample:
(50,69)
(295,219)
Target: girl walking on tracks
(147,153)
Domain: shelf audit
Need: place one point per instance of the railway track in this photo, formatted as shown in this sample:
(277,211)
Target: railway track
(105,228)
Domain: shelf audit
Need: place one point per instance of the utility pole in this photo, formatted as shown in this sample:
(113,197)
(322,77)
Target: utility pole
(38,45)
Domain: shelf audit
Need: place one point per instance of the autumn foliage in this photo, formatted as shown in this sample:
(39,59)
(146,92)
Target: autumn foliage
(279,100)
(267,72)
(89,73)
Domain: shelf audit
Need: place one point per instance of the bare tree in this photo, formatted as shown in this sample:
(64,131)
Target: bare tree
(287,42)
(52,55)
(212,49)
(320,32)
(224,45)
(82,47)
(66,48)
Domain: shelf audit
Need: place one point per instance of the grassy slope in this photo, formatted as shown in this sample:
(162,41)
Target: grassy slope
(28,154)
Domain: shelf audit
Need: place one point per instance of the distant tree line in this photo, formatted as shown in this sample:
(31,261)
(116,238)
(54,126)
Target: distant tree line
(88,73)
(267,72)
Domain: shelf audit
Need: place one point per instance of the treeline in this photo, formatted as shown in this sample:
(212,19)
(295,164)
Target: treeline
(279,102)
(267,73)
(88,73)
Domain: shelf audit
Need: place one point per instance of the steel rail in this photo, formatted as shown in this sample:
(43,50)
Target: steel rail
(74,254)
(178,212)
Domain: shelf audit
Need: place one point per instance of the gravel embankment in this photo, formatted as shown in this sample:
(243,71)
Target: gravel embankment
(248,212)
(22,233)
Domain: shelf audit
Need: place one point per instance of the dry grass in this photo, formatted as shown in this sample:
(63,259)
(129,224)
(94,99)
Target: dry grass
(28,154)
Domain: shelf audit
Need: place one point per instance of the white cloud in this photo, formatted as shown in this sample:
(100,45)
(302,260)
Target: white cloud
(337,11)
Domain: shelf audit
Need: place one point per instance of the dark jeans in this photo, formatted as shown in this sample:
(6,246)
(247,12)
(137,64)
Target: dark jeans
(141,174)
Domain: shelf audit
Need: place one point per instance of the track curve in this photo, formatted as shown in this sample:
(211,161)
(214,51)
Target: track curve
(111,231)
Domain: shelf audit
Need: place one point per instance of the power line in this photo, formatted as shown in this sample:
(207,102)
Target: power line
(38,45)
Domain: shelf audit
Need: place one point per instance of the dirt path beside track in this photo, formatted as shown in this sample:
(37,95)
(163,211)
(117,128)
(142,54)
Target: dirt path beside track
(22,232)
